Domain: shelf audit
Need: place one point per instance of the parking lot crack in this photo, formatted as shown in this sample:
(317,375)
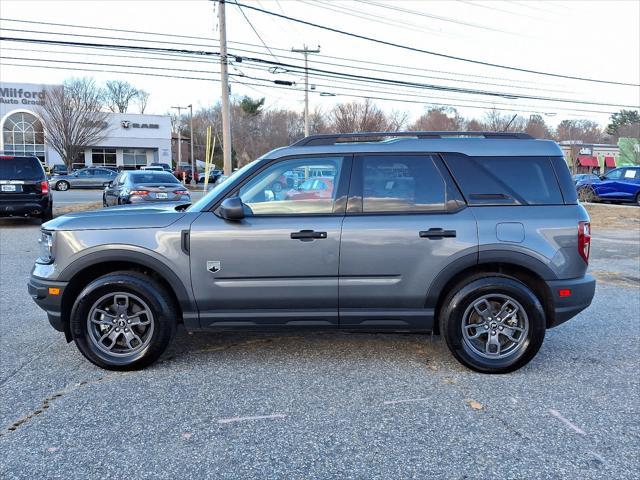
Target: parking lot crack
(47,401)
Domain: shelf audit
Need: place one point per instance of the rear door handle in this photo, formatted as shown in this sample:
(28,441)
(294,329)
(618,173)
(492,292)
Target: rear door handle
(435,233)
(307,235)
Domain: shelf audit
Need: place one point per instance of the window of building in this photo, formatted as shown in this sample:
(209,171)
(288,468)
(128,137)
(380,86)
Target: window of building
(293,187)
(134,158)
(403,183)
(103,157)
(22,134)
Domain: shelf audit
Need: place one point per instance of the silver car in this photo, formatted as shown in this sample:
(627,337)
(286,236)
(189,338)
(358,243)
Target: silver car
(90,177)
(479,237)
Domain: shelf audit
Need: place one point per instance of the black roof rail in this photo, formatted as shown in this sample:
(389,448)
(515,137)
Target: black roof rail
(333,138)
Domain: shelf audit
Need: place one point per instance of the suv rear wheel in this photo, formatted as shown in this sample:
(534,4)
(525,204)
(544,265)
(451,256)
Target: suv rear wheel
(123,321)
(493,324)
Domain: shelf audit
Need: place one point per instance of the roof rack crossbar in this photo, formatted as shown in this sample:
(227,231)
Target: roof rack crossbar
(333,138)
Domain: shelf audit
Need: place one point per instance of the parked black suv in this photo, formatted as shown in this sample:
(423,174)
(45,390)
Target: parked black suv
(24,189)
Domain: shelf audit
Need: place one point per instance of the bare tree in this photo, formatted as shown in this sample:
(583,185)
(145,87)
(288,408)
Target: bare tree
(585,131)
(117,94)
(142,98)
(72,118)
(440,119)
(537,127)
(495,121)
(360,117)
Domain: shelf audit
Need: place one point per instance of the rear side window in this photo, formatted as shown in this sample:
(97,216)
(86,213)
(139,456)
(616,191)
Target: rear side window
(401,183)
(506,180)
(20,168)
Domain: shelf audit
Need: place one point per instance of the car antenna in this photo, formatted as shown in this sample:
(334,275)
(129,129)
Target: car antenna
(510,122)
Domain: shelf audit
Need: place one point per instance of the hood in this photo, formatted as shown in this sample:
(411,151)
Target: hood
(126,216)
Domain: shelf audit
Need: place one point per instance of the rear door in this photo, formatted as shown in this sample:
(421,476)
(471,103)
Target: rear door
(405,222)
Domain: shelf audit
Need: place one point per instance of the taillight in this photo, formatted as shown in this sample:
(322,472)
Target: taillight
(181,192)
(584,240)
(140,193)
(44,187)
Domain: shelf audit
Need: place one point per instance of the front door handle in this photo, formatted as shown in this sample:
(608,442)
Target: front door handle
(307,235)
(436,233)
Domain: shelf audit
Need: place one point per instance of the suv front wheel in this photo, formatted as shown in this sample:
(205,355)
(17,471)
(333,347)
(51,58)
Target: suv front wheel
(493,324)
(123,321)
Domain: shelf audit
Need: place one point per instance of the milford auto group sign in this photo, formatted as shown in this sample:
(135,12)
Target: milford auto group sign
(126,124)
(17,96)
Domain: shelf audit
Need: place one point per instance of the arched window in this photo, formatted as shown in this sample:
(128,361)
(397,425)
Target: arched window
(22,134)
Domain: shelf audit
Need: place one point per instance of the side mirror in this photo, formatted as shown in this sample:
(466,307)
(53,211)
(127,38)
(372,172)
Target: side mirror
(108,184)
(232,208)
(75,174)
(602,177)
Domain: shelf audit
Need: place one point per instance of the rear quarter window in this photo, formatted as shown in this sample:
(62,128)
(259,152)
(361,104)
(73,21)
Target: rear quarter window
(21,168)
(506,180)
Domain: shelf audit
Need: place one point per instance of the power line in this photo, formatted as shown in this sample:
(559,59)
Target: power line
(257,34)
(348,75)
(430,52)
(340,88)
(360,61)
(84,69)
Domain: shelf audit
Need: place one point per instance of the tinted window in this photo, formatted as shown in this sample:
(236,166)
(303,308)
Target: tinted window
(406,183)
(150,176)
(506,180)
(20,168)
(289,187)
(614,174)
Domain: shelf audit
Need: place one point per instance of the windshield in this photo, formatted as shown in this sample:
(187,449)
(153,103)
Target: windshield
(215,191)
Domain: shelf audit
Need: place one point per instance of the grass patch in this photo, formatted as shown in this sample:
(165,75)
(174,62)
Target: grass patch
(613,216)
(78,207)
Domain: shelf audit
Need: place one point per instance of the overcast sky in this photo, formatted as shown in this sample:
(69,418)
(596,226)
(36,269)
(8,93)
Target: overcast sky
(599,40)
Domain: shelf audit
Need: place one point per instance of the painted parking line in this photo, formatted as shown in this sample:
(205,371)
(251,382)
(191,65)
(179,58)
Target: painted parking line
(408,400)
(572,426)
(255,417)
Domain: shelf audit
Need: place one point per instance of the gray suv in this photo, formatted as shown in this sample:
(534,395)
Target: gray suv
(476,236)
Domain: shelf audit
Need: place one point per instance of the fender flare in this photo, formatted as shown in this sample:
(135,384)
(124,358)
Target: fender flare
(511,257)
(186,301)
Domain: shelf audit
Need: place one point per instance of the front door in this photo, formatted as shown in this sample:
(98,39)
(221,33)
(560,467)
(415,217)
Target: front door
(405,222)
(278,265)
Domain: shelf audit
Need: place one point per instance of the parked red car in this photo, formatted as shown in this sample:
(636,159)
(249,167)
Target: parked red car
(187,171)
(314,188)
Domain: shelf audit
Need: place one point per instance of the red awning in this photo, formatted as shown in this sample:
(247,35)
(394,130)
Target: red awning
(610,162)
(588,161)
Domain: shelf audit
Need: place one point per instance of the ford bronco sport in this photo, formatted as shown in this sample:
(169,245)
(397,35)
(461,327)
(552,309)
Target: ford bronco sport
(476,236)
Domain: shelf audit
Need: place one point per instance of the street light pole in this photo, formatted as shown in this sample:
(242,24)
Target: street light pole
(224,103)
(193,166)
(179,136)
(306,51)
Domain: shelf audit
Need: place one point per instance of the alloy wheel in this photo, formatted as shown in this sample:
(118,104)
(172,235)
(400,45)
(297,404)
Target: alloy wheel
(495,326)
(120,324)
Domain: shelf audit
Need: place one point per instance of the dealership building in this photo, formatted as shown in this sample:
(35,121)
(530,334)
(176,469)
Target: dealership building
(131,140)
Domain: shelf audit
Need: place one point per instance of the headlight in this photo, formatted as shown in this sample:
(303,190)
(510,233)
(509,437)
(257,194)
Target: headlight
(46,247)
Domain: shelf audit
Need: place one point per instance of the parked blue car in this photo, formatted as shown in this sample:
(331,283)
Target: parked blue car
(619,185)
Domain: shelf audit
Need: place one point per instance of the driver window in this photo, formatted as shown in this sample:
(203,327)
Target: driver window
(294,187)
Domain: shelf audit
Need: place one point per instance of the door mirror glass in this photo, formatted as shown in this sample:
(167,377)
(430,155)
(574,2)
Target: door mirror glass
(232,208)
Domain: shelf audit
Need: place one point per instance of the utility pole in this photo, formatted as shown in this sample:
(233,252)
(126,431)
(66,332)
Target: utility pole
(306,51)
(224,74)
(179,136)
(193,165)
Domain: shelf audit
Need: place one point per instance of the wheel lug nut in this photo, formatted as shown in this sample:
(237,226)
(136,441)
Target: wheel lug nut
(117,329)
(126,329)
(501,327)
(486,327)
(128,321)
(493,332)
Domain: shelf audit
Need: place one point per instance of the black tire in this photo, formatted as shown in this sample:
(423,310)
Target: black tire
(62,186)
(47,214)
(462,298)
(104,201)
(638,199)
(588,194)
(162,324)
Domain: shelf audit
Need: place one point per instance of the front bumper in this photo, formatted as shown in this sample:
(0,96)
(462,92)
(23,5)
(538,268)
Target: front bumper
(580,297)
(48,296)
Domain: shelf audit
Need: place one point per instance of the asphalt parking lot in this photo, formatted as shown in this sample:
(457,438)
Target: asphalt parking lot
(324,405)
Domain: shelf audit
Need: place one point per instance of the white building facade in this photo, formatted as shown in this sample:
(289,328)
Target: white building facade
(131,141)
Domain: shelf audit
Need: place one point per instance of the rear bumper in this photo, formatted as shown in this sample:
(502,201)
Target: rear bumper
(44,294)
(23,208)
(582,291)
